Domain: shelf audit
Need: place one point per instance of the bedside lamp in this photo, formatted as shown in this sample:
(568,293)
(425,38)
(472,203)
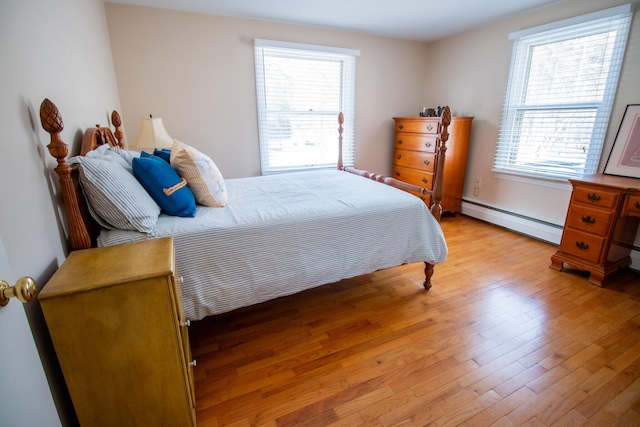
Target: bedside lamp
(152,135)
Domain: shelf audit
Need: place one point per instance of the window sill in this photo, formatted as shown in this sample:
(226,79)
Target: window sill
(559,183)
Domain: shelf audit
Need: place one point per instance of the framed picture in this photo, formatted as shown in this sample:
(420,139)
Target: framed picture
(624,159)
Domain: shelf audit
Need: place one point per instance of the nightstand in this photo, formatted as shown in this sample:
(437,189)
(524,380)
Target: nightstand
(601,225)
(115,318)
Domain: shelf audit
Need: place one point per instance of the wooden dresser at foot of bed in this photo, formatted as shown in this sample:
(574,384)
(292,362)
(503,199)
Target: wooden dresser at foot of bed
(601,225)
(115,319)
(415,156)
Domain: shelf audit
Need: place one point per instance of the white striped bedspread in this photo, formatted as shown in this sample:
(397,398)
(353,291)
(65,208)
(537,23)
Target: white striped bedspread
(281,234)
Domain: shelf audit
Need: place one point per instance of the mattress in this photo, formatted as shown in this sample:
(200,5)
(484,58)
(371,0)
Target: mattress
(281,234)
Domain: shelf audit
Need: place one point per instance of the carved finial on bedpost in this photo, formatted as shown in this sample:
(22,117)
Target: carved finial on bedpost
(51,121)
(116,121)
(340,130)
(445,121)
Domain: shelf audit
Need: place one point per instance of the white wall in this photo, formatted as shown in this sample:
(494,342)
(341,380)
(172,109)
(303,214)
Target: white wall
(197,72)
(58,50)
(470,71)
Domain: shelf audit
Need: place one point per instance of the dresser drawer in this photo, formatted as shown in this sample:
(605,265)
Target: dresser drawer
(582,245)
(413,176)
(418,126)
(407,141)
(424,161)
(595,197)
(588,219)
(632,207)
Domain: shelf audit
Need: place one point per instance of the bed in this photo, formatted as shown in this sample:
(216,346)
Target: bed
(275,235)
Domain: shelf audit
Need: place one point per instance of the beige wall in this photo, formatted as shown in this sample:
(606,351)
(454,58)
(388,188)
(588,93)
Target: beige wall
(196,72)
(475,67)
(58,50)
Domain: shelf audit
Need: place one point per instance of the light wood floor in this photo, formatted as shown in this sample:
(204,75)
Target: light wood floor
(500,340)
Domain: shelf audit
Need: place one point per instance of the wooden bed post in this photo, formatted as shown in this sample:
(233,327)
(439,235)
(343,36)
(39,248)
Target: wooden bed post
(436,207)
(52,123)
(116,121)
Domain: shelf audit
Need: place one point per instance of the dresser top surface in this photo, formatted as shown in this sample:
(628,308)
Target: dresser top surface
(111,265)
(613,181)
(417,118)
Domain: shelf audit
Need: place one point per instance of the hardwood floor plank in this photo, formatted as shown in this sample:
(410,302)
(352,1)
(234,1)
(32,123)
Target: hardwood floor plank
(500,340)
(500,408)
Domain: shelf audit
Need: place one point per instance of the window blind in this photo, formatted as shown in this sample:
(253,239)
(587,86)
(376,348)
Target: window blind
(561,88)
(300,91)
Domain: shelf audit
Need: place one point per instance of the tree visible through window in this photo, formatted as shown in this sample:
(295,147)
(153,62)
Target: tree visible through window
(561,88)
(301,89)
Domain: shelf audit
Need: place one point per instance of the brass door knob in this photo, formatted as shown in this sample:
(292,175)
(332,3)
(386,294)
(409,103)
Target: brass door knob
(25,289)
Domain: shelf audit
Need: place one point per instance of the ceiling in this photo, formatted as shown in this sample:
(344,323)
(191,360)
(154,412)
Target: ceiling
(424,20)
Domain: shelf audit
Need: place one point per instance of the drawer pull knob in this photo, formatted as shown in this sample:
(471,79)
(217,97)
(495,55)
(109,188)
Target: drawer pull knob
(186,323)
(425,180)
(427,162)
(582,246)
(401,127)
(593,197)
(193,363)
(427,144)
(637,205)
(397,173)
(429,127)
(588,220)
(399,156)
(399,142)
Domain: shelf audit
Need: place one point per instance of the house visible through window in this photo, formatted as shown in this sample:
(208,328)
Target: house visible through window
(560,92)
(300,91)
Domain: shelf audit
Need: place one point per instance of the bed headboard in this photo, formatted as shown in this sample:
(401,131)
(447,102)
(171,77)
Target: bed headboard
(84,230)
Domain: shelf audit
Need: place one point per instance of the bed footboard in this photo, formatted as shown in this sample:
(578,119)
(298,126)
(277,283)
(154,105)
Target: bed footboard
(435,193)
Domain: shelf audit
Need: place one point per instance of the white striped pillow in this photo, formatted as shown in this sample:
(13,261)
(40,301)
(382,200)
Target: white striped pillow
(203,176)
(116,198)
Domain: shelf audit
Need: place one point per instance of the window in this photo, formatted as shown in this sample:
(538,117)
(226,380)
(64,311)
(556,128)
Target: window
(300,90)
(559,96)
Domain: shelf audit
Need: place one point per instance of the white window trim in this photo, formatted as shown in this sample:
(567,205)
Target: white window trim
(348,107)
(605,13)
(545,178)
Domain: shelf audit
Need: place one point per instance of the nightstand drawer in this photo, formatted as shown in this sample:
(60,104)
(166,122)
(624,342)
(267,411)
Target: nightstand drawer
(594,197)
(588,219)
(418,126)
(415,159)
(407,141)
(632,207)
(582,245)
(413,176)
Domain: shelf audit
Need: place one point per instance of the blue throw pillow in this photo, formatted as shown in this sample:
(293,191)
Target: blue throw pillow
(165,186)
(164,154)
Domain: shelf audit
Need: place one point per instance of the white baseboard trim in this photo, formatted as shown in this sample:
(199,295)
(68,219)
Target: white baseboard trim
(541,230)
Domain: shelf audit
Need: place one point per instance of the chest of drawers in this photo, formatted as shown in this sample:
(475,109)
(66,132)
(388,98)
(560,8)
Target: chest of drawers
(600,227)
(415,156)
(115,318)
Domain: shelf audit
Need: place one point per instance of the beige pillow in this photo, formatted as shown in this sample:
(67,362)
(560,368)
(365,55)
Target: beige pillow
(202,175)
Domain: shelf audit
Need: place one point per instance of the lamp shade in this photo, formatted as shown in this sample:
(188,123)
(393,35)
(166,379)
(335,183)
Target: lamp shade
(152,135)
